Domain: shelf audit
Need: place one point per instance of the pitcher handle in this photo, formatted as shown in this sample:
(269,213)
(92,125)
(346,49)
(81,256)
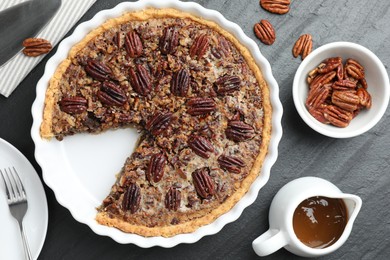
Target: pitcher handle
(269,242)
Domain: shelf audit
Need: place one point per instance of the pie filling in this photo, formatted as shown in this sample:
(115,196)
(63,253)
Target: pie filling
(199,100)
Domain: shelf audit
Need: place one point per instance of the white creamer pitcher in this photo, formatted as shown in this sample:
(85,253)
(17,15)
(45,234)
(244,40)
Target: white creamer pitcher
(281,232)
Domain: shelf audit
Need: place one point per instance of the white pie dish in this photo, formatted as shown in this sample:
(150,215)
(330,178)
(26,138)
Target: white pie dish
(80,182)
(377,80)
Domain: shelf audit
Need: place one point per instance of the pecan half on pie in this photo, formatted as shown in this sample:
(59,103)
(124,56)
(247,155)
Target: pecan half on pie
(199,99)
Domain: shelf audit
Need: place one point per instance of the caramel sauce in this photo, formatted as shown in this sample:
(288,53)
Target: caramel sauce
(320,221)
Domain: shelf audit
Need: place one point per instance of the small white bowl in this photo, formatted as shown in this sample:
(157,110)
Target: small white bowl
(376,77)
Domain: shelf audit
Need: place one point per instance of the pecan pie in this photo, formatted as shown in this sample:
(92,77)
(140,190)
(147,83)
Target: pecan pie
(197,96)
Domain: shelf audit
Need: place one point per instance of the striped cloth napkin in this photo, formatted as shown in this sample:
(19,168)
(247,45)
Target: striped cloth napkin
(16,69)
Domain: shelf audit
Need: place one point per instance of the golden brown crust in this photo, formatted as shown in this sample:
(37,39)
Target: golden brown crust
(51,98)
(190,226)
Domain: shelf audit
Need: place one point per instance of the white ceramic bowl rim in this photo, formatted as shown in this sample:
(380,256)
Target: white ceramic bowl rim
(332,131)
(43,155)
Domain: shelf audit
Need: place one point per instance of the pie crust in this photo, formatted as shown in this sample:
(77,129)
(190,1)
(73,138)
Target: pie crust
(253,109)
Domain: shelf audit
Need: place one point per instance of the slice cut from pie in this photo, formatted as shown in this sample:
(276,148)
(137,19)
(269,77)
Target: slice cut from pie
(197,96)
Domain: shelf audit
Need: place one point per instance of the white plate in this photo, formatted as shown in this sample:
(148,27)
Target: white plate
(35,220)
(80,182)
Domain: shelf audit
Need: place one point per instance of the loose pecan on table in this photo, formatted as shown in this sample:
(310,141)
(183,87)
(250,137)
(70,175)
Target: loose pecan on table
(276,6)
(36,46)
(131,198)
(303,46)
(73,105)
(203,183)
(111,94)
(265,32)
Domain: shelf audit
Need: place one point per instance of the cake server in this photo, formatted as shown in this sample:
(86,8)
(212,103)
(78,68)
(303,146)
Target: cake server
(23,21)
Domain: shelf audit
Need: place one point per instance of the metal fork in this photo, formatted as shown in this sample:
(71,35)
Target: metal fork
(17,201)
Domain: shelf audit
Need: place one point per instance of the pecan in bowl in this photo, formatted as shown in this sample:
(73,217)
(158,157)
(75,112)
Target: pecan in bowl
(341,90)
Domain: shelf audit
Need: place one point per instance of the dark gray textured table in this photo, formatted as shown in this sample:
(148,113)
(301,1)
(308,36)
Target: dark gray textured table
(359,165)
